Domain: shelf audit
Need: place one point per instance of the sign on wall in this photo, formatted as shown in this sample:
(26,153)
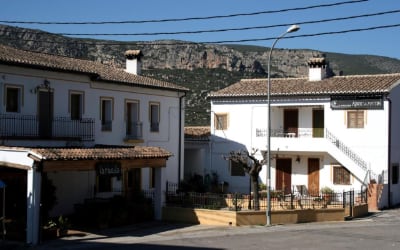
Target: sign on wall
(356,102)
(108,168)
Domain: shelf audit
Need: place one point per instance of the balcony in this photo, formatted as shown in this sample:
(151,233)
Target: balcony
(134,131)
(293,140)
(28,127)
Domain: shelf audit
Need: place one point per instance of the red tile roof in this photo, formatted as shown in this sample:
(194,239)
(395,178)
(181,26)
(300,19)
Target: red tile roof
(363,84)
(103,153)
(98,71)
(197,132)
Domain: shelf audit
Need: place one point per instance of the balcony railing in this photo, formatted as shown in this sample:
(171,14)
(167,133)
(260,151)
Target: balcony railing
(14,126)
(134,130)
(301,132)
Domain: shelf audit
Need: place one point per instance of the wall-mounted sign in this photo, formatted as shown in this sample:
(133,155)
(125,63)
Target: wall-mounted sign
(108,168)
(357,102)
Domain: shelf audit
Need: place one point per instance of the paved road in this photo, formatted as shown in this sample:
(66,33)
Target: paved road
(379,231)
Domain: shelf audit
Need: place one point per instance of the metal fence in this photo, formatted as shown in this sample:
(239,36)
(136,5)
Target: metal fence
(279,200)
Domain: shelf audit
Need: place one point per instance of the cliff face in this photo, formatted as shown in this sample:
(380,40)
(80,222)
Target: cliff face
(199,67)
(161,54)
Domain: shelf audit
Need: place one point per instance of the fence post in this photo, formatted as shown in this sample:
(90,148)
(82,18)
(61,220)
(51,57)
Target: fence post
(344,199)
(351,202)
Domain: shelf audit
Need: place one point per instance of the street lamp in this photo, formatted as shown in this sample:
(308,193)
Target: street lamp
(291,29)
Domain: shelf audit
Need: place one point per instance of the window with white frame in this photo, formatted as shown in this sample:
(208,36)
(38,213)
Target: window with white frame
(355,118)
(341,176)
(13,98)
(221,121)
(76,104)
(107,113)
(154,116)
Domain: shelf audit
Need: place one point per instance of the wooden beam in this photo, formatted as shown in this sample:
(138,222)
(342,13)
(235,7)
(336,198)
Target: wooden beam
(88,165)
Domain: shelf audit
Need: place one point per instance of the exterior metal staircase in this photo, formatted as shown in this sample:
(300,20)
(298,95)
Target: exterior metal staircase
(352,161)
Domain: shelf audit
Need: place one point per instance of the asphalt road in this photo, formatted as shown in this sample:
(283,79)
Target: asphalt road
(379,231)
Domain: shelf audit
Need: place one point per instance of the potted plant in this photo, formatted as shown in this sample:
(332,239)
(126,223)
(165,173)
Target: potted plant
(327,194)
(50,230)
(63,225)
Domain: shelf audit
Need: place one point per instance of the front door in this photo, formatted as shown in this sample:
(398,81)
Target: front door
(318,123)
(291,122)
(45,113)
(313,176)
(284,175)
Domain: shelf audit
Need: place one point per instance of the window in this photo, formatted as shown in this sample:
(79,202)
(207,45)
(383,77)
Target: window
(221,121)
(13,100)
(108,175)
(395,174)
(236,169)
(106,113)
(341,176)
(133,125)
(76,105)
(355,119)
(154,117)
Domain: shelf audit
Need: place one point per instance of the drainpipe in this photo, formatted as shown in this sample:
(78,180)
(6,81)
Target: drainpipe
(389,149)
(180,137)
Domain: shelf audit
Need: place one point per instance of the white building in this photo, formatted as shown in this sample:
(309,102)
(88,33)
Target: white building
(95,130)
(340,132)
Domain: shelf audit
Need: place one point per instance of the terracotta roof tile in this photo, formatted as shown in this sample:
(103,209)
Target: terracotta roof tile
(103,153)
(98,71)
(364,84)
(198,132)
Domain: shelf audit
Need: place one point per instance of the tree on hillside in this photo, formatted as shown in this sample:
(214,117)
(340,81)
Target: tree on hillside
(252,166)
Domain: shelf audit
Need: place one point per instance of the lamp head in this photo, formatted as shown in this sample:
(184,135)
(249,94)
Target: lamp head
(293,28)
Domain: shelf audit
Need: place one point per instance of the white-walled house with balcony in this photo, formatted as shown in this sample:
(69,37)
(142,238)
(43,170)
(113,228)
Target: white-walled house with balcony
(94,130)
(340,132)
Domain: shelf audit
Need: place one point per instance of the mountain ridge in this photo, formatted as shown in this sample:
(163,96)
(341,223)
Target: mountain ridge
(200,67)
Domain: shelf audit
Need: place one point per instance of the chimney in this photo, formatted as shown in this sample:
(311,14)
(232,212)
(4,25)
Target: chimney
(133,61)
(317,67)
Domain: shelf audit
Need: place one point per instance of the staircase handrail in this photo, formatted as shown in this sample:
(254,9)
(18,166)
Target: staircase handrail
(347,151)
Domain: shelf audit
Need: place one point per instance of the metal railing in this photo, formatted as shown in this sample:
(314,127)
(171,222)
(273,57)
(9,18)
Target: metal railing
(346,150)
(28,127)
(300,132)
(134,130)
(279,200)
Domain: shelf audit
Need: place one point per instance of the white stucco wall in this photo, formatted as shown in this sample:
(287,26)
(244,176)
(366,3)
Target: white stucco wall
(370,143)
(168,137)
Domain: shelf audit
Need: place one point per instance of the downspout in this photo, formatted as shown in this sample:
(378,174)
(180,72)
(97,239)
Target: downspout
(180,137)
(389,149)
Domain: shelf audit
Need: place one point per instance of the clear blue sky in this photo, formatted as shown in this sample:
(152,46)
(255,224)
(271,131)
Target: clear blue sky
(384,42)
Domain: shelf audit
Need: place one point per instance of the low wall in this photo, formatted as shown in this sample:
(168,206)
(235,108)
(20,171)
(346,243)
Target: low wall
(358,210)
(241,218)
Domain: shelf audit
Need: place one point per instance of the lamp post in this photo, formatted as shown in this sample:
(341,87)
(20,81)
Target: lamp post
(291,29)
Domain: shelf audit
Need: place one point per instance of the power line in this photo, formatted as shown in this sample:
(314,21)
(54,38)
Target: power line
(309,35)
(227,29)
(184,19)
(209,42)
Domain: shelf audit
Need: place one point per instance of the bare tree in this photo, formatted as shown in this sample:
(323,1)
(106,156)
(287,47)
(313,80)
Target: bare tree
(252,166)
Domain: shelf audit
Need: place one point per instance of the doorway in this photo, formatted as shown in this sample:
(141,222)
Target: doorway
(284,175)
(313,176)
(318,123)
(45,113)
(291,122)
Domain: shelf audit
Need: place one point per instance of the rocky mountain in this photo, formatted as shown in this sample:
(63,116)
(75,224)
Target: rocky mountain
(200,67)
